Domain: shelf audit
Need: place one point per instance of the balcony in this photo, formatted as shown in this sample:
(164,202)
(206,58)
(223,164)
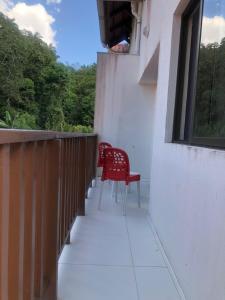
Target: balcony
(114,257)
(54,244)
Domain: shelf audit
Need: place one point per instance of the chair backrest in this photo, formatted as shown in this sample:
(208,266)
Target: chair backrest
(116,165)
(101,147)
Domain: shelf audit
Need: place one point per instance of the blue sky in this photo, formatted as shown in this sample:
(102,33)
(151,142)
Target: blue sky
(71,25)
(78,31)
(214,8)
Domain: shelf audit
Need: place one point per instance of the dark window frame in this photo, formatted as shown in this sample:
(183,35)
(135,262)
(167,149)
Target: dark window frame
(189,139)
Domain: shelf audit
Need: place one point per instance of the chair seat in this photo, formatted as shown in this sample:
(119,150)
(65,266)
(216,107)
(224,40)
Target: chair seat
(134,177)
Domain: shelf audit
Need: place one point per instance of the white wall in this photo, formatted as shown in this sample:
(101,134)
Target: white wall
(187,194)
(187,183)
(124,110)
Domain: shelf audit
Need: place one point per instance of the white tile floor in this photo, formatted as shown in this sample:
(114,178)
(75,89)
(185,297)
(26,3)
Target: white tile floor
(112,257)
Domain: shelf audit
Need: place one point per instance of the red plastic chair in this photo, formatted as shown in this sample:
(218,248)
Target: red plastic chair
(101,147)
(116,167)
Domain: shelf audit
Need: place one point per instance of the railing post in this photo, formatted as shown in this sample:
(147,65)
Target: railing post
(67,162)
(94,161)
(70,216)
(29,221)
(4,218)
(82,175)
(63,193)
(77,149)
(40,195)
(68,239)
(16,223)
(51,219)
(73,179)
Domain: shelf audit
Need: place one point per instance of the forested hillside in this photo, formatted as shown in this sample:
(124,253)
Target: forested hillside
(38,92)
(210,94)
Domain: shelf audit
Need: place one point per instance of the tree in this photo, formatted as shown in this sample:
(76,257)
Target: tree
(40,91)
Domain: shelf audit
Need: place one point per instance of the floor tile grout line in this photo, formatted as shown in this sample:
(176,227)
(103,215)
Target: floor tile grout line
(132,257)
(96,265)
(116,266)
(167,262)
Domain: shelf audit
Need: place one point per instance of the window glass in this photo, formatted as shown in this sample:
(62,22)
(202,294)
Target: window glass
(209,117)
(186,78)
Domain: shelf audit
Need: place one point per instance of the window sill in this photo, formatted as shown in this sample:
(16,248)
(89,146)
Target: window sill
(200,146)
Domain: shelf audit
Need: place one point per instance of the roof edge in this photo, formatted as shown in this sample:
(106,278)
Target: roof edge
(101,16)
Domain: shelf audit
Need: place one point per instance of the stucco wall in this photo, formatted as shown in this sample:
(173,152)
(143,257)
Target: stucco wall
(124,110)
(187,183)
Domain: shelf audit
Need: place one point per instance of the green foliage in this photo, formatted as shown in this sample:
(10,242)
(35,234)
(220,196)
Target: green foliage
(210,109)
(9,120)
(25,121)
(38,92)
(77,128)
(18,120)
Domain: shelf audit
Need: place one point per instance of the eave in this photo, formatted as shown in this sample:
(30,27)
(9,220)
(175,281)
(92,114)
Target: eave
(115,19)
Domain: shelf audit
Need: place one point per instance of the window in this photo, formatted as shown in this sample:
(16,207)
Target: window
(200,103)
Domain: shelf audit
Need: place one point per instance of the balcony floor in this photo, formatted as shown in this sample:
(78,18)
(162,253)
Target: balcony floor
(112,257)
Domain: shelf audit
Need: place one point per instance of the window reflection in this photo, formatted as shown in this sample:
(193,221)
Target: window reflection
(210,93)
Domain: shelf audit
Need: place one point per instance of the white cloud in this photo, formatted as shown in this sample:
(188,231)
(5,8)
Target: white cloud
(213,29)
(5,5)
(34,18)
(54,1)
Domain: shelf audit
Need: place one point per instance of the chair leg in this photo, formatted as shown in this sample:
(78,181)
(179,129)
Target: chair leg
(113,189)
(139,193)
(100,196)
(125,201)
(95,183)
(116,191)
(129,188)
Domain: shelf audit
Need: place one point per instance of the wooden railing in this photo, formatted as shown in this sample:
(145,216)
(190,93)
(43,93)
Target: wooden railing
(44,177)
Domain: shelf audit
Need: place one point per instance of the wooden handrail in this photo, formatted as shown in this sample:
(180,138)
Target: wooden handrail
(9,136)
(44,177)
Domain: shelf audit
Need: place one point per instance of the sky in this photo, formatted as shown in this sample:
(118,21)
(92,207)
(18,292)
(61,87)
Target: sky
(71,26)
(214,8)
(213,29)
